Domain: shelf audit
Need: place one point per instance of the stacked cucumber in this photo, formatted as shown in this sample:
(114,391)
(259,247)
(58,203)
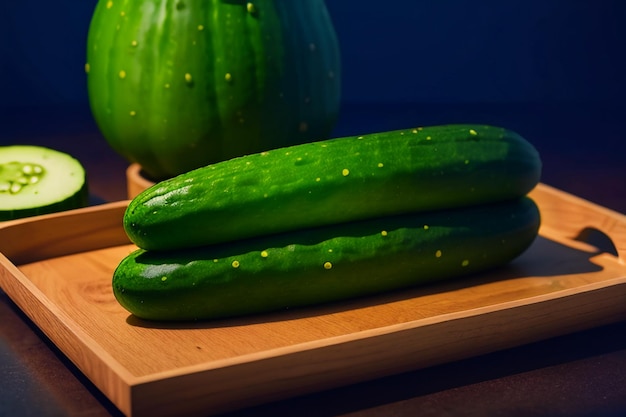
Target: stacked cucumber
(329,220)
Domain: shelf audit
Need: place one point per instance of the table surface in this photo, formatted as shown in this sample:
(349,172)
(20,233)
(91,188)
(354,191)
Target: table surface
(582,148)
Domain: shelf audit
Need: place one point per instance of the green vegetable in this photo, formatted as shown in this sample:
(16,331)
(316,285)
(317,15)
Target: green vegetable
(36,180)
(332,182)
(177,84)
(332,263)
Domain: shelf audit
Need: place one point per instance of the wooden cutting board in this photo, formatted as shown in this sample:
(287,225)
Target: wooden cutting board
(57,268)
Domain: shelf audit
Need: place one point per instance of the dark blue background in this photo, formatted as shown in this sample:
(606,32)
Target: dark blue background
(552,70)
(402,50)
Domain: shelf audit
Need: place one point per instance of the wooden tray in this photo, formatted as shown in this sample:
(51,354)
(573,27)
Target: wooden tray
(57,269)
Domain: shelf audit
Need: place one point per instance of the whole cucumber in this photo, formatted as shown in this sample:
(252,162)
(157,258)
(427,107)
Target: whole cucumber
(175,85)
(334,181)
(325,264)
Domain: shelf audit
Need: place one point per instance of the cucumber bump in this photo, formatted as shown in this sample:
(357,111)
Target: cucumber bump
(37,180)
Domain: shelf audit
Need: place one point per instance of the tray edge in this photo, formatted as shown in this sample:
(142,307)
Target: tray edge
(126,390)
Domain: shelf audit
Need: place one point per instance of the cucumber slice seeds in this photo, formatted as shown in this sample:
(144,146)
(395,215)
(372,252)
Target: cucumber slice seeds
(36,180)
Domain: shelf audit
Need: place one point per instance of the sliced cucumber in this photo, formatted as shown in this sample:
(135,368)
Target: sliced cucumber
(36,180)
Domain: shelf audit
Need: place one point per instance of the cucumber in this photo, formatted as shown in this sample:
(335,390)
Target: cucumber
(321,265)
(176,85)
(37,180)
(334,181)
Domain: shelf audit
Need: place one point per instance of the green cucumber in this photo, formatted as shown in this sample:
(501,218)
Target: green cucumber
(176,85)
(36,180)
(326,264)
(334,181)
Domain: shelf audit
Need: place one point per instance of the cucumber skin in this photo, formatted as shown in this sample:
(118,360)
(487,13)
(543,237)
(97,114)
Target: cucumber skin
(305,185)
(203,283)
(78,200)
(173,108)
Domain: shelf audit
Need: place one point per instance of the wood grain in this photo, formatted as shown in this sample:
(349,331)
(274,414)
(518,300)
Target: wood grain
(58,269)
(31,239)
(570,217)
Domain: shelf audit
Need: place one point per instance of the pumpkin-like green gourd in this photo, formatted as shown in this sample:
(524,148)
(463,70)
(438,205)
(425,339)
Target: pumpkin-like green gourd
(178,84)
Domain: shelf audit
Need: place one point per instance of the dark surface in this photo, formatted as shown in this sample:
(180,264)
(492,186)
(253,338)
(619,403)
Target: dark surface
(582,374)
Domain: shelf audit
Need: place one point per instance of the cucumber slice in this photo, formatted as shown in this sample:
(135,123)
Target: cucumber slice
(36,180)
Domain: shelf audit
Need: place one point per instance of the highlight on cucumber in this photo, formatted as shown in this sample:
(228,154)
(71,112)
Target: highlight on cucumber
(36,180)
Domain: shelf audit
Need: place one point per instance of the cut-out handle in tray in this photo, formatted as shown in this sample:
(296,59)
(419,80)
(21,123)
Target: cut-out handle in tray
(574,218)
